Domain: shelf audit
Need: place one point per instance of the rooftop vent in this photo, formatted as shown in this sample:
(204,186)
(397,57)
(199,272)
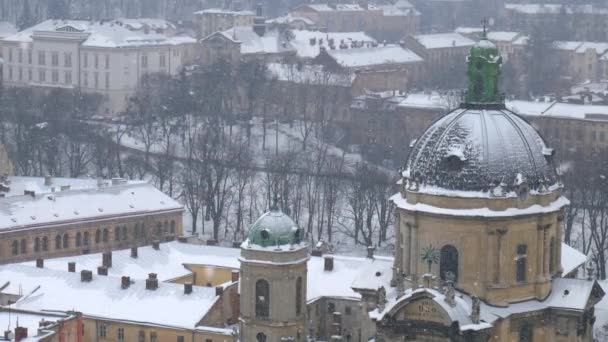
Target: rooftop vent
(328,264)
(125,282)
(152,282)
(156,245)
(40,263)
(187,288)
(86,276)
(102,271)
(71,266)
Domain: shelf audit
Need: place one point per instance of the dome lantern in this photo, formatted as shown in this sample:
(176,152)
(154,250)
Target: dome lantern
(483,71)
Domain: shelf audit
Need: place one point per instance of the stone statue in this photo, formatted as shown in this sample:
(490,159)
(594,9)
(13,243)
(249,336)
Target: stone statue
(381,298)
(475,309)
(399,283)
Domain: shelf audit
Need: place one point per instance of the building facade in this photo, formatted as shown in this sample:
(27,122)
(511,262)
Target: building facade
(108,58)
(213,20)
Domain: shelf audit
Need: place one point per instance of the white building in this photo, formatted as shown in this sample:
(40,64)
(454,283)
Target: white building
(105,57)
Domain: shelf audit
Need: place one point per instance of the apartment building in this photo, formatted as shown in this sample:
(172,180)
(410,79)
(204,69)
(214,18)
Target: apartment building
(582,60)
(216,19)
(105,57)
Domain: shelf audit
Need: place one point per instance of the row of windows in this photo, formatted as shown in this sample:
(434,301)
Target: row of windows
(95,82)
(82,238)
(141,335)
(20,76)
(67,57)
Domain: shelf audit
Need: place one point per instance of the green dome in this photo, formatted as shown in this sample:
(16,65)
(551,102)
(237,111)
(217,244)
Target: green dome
(484,62)
(274,228)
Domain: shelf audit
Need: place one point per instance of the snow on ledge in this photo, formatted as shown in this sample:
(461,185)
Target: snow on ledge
(402,203)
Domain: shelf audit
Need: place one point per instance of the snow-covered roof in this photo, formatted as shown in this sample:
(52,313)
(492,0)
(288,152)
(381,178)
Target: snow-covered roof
(26,211)
(468,30)
(443,40)
(431,100)
(224,11)
(309,74)
(136,24)
(168,263)
(340,7)
(103,297)
(31,321)
(110,34)
(555,9)
(19,184)
(581,47)
(396,11)
(503,36)
(572,259)
(308,43)
(272,42)
(288,19)
(559,110)
(379,55)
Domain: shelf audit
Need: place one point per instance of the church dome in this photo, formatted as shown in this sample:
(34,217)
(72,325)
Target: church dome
(479,149)
(274,228)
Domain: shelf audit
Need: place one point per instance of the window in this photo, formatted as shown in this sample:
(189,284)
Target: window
(331,307)
(54,59)
(30,75)
(78,239)
(85,238)
(172,227)
(525,333)
(10,73)
(105,235)
(141,337)
(41,75)
(552,256)
(107,80)
(15,247)
(448,263)
(153,337)
(85,78)
(107,61)
(97,236)
(96,61)
(41,58)
(20,56)
(144,61)
(120,334)
(260,337)
(299,296)
(58,242)
(159,228)
(45,244)
(602,136)
(521,263)
(23,246)
(96,79)
(102,330)
(66,240)
(20,74)
(55,76)
(348,311)
(180,338)
(37,245)
(262,298)
(10,54)
(85,59)
(162,60)
(124,233)
(68,77)
(116,233)
(67,59)
(29,56)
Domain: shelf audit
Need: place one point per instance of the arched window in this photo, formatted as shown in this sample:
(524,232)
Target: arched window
(520,272)
(123,232)
(97,236)
(159,228)
(262,298)
(172,227)
(260,337)
(142,336)
(166,230)
(552,256)
(105,235)
(136,231)
(116,233)
(58,242)
(37,245)
(23,246)
(78,239)
(66,240)
(525,333)
(45,244)
(85,239)
(15,247)
(299,296)
(448,262)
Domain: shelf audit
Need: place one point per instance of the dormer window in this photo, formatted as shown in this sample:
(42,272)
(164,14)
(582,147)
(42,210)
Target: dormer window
(68,28)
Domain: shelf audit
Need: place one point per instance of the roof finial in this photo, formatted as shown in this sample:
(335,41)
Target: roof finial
(275,201)
(484,23)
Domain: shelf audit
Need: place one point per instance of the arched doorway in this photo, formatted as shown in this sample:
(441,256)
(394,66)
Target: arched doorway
(448,262)
(260,337)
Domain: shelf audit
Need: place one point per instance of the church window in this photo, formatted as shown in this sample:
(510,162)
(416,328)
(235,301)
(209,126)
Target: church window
(260,337)
(262,298)
(521,263)
(37,245)
(102,330)
(58,242)
(525,333)
(85,239)
(299,296)
(66,240)
(552,255)
(97,236)
(123,232)
(45,244)
(120,334)
(159,227)
(142,336)
(448,264)
(116,233)
(105,235)
(23,246)
(15,247)
(78,239)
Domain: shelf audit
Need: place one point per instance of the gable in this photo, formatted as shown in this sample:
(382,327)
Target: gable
(422,309)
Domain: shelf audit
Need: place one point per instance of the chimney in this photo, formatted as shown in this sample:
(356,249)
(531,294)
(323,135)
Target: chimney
(219,290)
(187,288)
(40,263)
(328,264)
(71,266)
(134,252)
(156,244)
(86,276)
(259,23)
(125,282)
(48,180)
(370,252)
(106,259)
(234,277)
(152,282)
(102,271)
(20,334)
(29,193)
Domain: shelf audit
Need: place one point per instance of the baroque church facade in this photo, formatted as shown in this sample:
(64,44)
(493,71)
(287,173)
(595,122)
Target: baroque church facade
(478,240)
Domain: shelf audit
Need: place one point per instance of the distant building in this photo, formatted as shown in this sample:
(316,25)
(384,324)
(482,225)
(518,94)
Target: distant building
(582,61)
(215,19)
(6,167)
(270,45)
(309,44)
(389,22)
(104,57)
(43,217)
(220,46)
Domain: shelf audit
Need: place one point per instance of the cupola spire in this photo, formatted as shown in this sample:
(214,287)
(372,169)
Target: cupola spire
(483,71)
